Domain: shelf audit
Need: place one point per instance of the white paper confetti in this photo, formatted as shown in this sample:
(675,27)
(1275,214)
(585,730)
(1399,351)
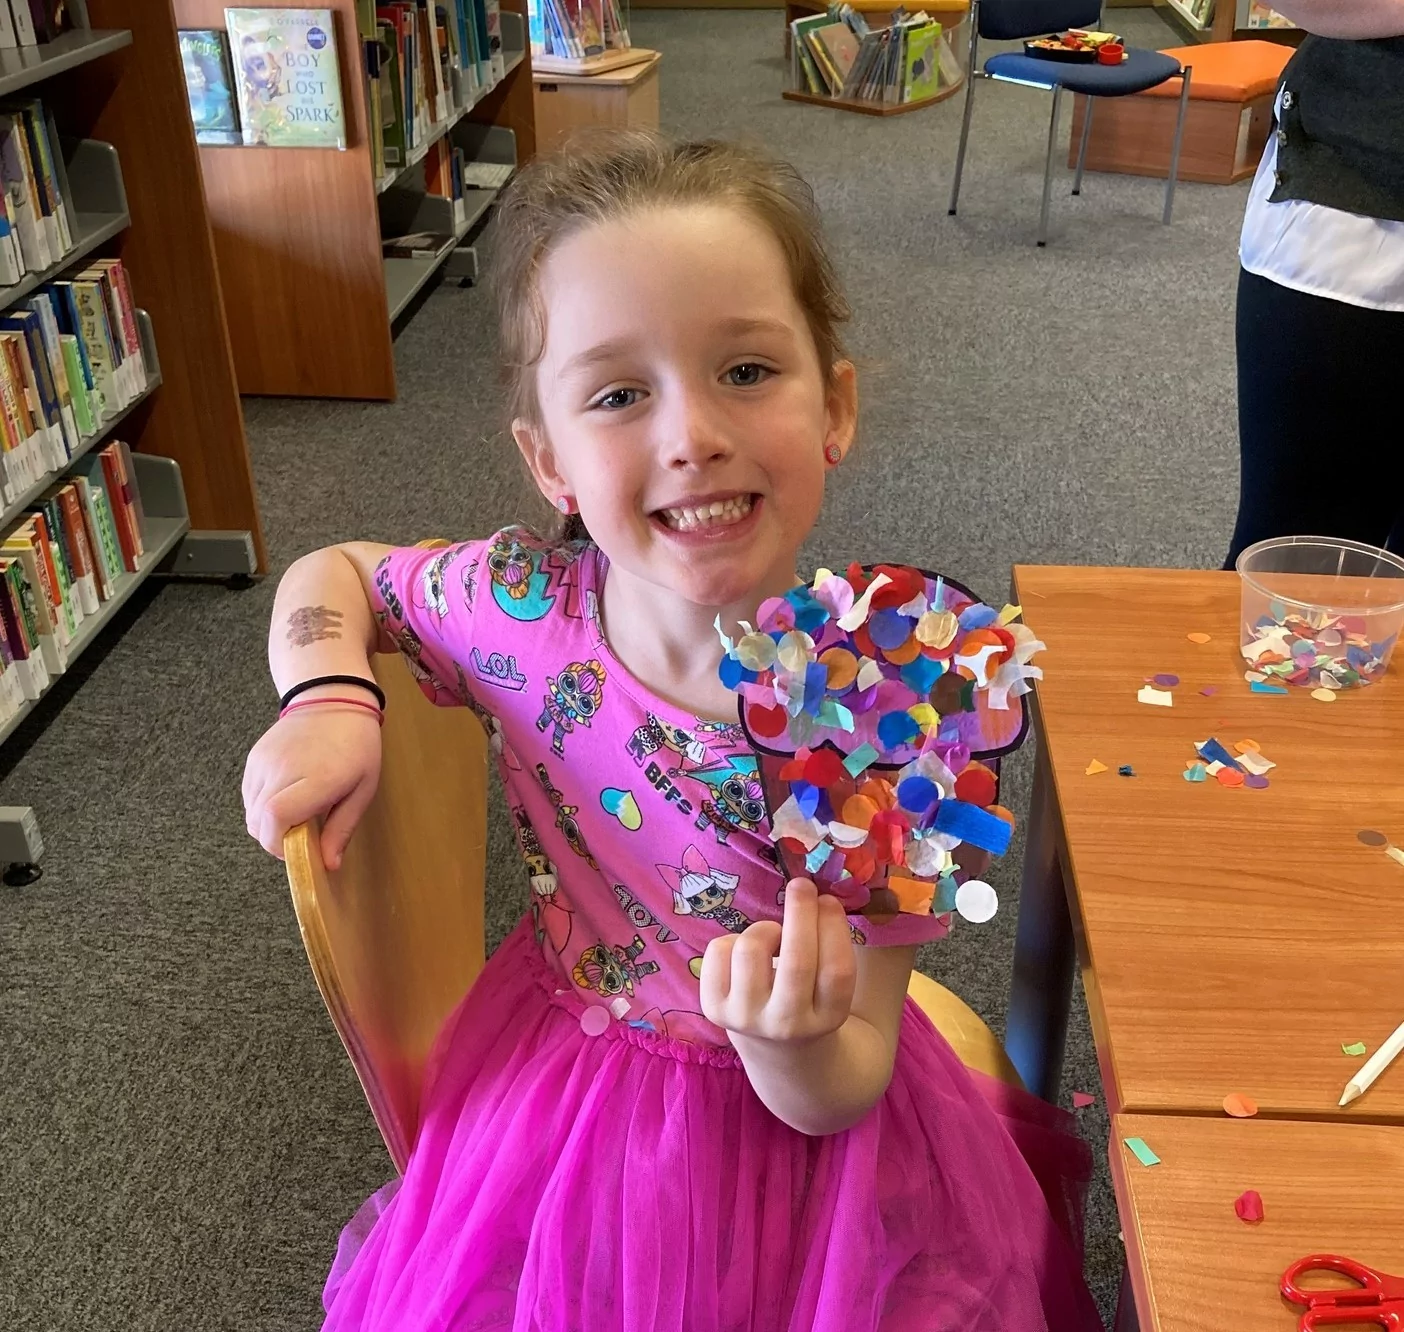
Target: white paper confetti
(976,901)
(1160,698)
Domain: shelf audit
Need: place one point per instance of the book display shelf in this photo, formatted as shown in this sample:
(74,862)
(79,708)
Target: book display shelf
(125,174)
(1230,20)
(310,295)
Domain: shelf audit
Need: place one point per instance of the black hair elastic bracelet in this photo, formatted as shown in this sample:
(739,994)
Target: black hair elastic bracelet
(333,680)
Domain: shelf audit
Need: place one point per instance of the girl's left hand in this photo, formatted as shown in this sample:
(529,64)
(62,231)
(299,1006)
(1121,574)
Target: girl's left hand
(790,982)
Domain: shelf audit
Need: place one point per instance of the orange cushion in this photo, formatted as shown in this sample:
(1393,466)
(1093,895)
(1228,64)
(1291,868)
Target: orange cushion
(1227,71)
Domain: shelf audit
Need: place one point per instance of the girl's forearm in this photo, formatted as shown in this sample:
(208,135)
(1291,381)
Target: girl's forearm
(824,1086)
(1355,19)
(322,620)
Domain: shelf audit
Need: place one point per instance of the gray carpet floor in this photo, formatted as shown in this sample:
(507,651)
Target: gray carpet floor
(181,1136)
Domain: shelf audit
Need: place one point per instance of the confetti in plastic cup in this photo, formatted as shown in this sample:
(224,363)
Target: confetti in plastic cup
(1319,612)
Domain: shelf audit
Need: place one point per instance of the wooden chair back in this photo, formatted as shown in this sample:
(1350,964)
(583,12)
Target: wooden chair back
(395,936)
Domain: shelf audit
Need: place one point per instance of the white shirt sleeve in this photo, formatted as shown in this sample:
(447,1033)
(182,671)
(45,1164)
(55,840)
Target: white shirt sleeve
(1319,250)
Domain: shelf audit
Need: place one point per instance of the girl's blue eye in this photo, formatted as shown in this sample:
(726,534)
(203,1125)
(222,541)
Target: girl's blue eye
(618,399)
(746,375)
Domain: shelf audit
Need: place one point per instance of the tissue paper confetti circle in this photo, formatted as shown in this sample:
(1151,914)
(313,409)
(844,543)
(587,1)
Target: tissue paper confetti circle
(976,901)
(875,702)
(595,1020)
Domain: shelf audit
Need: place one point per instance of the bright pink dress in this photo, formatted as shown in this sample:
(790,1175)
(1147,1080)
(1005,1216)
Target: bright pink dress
(567,1181)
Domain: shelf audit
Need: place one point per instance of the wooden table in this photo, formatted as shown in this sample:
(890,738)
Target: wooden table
(1230,940)
(1195,1267)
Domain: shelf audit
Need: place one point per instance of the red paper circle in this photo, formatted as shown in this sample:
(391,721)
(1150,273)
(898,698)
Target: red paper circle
(767,722)
(823,768)
(977,786)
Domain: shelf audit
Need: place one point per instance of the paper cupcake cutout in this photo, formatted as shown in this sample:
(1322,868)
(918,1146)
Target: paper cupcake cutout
(877,704)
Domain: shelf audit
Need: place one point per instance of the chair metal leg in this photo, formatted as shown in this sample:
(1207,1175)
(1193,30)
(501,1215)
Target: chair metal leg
(1082,151)
(1048,165)
(1179,138)
(970,82)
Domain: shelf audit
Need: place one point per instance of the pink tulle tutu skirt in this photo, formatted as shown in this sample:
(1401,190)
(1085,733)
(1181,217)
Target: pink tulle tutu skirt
(571,1183)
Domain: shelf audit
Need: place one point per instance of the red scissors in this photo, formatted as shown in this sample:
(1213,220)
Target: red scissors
(1376,1301)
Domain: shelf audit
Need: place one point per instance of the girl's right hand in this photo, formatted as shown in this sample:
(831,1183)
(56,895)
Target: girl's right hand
(317,762)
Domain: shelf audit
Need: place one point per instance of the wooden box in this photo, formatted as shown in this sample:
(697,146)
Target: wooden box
(1232,86)
(619,97)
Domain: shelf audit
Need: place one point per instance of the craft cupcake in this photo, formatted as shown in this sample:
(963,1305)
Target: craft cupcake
(877,705)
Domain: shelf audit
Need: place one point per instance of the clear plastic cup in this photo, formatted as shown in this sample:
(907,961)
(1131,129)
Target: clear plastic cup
(1320,611)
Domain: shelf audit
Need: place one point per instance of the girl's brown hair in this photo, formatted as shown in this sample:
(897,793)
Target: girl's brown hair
(605,175)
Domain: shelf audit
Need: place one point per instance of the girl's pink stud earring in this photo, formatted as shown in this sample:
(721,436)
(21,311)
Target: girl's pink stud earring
(833,455)
(564,504)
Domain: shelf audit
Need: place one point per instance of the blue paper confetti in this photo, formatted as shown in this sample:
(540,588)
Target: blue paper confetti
(806,797)
(731,671)
(861,760)
(945,900)
(889,629)
(919,675)
(896,728)
(977,616)
(974,825)
(1196,772)
(1263,687)
(816,681)
(642,1024)
(917,793)
(816,858)
(1126,770)
(1213,752)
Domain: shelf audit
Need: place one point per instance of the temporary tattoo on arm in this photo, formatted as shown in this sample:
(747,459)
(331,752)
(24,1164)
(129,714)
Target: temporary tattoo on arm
(311,624)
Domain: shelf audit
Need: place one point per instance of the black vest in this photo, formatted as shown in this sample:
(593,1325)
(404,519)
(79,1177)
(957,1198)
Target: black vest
(1340,139)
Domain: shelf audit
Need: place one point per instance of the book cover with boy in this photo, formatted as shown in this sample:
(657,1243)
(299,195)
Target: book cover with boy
(286,74)
(209,85)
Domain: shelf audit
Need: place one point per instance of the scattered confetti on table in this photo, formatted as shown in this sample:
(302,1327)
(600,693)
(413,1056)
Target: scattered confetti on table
(1355,1048)
(1240,1106)
(1324,695)
(1164,681)
(1394,853)
(1209,691)
(1126,770)
(1313,647)
(1095,767)
(1142,1152)
(1249,1206)
(1371,838)
(1159,698)
(868,699)
(1081,1100)
(1198,638)
(1247,769)
(1266,687)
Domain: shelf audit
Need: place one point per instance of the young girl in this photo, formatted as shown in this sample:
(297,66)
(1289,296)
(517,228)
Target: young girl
(684,1094)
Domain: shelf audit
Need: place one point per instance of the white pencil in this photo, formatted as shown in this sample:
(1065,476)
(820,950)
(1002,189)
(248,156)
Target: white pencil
(1374,1066)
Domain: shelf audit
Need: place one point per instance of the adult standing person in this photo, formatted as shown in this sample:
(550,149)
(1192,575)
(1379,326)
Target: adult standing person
(1320,326)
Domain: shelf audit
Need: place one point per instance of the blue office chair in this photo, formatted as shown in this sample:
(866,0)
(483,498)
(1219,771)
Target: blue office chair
(1011,20)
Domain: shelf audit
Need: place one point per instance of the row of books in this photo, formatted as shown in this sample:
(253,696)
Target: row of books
(424,61)
(837,54)
(60,564)
(1201,11)
(32,22)
(70,360)
(576,29)
(36,229)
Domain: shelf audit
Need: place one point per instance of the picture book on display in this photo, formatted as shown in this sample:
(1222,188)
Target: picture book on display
(209,83)
(289,87)
(576,29)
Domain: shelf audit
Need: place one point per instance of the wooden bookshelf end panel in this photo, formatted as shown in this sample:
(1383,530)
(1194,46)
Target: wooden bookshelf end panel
(299,247)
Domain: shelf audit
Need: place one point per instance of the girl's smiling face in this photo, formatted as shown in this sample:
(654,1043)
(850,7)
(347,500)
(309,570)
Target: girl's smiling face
(682,402)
